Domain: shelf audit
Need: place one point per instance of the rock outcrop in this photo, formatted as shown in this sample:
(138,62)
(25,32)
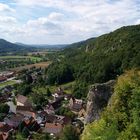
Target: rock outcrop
(98,97)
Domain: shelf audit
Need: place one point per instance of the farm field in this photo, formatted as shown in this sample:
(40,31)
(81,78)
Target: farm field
(13,61)
(18,58)
(37,65)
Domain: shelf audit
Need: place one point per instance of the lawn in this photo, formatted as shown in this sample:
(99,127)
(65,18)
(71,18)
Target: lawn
(67,87)
(3,84)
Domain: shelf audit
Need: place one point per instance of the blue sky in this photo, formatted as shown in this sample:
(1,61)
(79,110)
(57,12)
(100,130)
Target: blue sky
(64,21)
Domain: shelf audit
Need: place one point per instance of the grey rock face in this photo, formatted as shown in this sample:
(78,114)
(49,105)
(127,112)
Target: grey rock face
(98,97)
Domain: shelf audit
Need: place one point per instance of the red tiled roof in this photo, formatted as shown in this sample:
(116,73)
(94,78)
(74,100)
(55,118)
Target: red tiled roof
(24,108)
(24,100)
(53,128)
(2,78)
(21,98)
(3,136)
(4,127)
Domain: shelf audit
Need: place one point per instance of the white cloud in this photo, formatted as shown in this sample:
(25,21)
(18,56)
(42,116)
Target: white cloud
(7,19)
(74,20)
(56,16)
(4,7)
(49,24)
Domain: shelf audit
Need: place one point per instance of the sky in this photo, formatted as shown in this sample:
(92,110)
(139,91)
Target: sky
(64,21)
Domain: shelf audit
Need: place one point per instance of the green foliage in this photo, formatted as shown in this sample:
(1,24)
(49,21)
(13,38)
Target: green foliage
(4,108)
(24,89)
(98,59)
(14,100)
(121,119)
(69,133)
(38,136)
(65,112)
(19,137)
(80,90)
(40,96)
(59,73)
(21,126)
(48,92)
(25,132)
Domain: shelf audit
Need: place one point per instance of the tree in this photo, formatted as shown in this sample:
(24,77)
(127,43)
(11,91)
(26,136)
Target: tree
(29,79)
(69,133)
(21,126)
(48,92)
(4,108)
(25,132)
(38,136)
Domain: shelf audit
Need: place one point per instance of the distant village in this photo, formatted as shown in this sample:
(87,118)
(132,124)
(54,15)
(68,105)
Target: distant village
(22,115)
(6,75)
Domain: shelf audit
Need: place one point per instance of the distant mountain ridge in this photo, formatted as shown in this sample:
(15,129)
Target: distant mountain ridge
(42,45)
(8,47)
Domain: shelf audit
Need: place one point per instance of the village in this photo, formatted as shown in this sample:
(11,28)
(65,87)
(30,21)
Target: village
(19,114)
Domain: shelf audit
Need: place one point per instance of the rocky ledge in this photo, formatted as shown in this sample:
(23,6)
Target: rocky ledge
(98,97)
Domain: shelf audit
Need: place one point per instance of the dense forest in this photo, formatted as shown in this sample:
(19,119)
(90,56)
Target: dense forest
(97,59)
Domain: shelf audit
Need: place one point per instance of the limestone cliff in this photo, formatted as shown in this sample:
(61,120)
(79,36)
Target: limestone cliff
(97,99)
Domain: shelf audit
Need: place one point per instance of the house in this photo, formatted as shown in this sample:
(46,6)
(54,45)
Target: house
(14,120)
(2,79)
(27,111)
(4,131)
(2,99)
(49,109)
(50,118)
(67,97)
(55,104)
(53,128)
(75,105)
(23,101)
(58,94)
(64,120)
(7,74)
(4,136)
(82,113)
(31,124)
(40,117)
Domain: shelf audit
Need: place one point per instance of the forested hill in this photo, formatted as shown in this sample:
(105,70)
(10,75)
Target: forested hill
(98,59)
(8,47)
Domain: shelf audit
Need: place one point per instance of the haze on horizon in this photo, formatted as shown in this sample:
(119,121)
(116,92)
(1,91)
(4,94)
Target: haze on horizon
(64,21)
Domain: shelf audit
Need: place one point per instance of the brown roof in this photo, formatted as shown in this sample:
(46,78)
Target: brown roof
(24,108)
(4,127)
(24,100)
(14,120)
(2,78)
(53,128)
(50,118)
(3,136)
(76,107)
(21,98)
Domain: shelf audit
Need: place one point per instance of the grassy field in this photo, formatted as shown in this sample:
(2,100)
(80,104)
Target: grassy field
(37,65)
(17,57)
(67,87)
(3,84)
